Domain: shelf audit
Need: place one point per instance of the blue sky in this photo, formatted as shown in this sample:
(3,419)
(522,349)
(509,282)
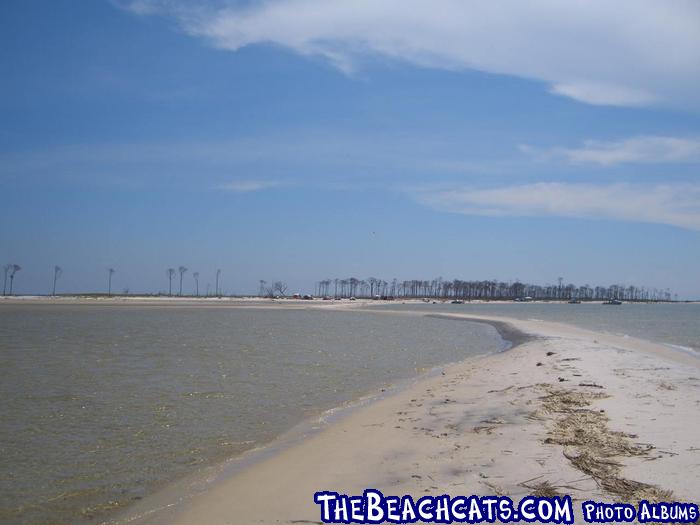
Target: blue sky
(303,139)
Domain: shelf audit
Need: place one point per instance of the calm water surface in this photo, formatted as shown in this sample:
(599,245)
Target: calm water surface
(676,325)
(100,404)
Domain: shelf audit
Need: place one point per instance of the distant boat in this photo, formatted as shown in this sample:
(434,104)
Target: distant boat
(457,301)
(574,301)
(612,301)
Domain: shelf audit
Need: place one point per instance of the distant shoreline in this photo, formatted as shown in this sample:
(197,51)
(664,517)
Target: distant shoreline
(247,300)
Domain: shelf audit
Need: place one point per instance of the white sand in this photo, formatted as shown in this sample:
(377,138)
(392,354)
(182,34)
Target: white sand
(482,427)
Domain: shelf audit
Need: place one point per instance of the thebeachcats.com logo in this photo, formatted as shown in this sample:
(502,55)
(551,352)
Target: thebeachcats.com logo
(374,507)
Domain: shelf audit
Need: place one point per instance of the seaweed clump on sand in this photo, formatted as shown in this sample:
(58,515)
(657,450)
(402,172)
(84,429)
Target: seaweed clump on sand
(592,447)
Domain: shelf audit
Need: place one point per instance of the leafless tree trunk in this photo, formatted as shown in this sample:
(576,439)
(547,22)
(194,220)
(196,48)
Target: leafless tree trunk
(13,270)
(56,274)
(7,269)
(196,282)
(110,273)
(218,274)
(182,271)
(170,272)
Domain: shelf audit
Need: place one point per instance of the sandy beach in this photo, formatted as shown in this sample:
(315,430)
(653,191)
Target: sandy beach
(566,411)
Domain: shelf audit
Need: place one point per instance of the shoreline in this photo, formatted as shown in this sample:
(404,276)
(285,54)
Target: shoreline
(506,330)
(463,434)
(94,299)
(164,501)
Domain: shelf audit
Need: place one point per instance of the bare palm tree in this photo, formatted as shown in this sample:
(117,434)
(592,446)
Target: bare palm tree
(170,273)
(13,270)
(7,269)
(196,282)
(218,274)
(111,272)
(57,271)
(182,271)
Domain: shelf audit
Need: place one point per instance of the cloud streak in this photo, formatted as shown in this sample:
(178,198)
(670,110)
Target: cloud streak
(295,156)
(595,51)
(248,186)
(643,149)
(675,205)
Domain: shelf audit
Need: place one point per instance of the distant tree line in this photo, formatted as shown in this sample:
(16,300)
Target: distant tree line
(484,290)
(182,270)
(415,288)
(10,270)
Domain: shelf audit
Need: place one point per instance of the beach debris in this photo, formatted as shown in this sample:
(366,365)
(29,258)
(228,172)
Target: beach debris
(592,447)
(606,473)
(487,429)
(542,489)
(494,488)
(501,390)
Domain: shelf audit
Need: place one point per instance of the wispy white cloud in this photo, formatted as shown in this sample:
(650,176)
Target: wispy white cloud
(644,149)
(676,205)
(627,52)
(295,156)
(605,94)
(250,185)
(141,7)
